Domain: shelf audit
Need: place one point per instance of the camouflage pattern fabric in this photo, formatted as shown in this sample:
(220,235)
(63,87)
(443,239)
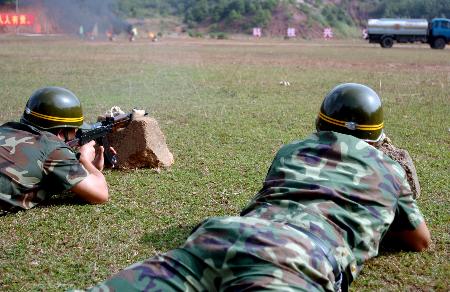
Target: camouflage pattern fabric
(338,187)
(232,254)
(34,164)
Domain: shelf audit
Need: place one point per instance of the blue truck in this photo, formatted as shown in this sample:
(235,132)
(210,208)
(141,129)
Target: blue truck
(386,31)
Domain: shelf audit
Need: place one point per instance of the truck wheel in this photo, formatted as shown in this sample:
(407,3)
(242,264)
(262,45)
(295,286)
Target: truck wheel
(439,43)
(387,42)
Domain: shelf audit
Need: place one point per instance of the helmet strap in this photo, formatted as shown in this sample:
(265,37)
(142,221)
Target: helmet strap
(66,135)
(62,133)
(378,140)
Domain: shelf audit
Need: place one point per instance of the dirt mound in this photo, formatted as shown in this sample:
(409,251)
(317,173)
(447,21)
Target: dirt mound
(141,145)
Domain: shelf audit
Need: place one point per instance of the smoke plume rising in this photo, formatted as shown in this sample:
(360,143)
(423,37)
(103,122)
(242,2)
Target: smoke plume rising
(69,15)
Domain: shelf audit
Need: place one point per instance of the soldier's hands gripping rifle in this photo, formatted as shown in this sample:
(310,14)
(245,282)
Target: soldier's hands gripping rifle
(98,132)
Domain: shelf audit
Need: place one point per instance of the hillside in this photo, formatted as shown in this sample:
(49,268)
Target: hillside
(309,17)
(219,17)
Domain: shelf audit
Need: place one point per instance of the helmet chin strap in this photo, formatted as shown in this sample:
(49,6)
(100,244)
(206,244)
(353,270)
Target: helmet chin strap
(63,133)
(66,135)
(379,139)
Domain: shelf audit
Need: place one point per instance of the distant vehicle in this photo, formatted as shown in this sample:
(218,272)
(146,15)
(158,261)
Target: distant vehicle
(386,31)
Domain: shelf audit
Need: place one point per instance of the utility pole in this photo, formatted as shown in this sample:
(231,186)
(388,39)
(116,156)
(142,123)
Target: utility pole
(17,12)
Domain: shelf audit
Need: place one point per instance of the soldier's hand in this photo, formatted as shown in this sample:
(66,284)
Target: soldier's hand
(87,152)
(99,161)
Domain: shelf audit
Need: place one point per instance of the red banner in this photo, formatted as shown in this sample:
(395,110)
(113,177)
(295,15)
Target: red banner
(13,19)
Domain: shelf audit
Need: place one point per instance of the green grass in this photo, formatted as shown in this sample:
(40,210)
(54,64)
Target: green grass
(224,116)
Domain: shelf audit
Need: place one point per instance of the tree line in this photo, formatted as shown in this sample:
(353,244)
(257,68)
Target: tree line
(253,12)
(260,11)
(250,13)
(412,9)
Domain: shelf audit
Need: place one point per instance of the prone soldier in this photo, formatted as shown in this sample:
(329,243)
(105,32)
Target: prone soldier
(326,204)
(35,161)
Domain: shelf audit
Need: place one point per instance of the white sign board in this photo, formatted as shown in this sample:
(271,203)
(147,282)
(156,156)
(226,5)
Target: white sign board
(291,32)
(327,33)
(257,32)
(364,34)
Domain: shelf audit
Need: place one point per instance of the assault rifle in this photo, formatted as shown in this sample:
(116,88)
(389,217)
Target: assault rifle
(98,132)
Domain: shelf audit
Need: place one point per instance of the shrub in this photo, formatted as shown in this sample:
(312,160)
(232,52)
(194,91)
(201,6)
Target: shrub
(195,34)
(222,36)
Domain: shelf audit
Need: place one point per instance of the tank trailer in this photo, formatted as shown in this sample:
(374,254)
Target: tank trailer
(386,31)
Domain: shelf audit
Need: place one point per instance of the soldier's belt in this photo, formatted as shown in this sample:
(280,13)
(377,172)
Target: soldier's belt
(326,250)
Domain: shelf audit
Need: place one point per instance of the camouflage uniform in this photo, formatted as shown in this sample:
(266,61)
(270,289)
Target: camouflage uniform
(337,187)
(33,164)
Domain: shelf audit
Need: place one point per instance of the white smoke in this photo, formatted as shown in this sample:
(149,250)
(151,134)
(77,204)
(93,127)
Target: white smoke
(69,15)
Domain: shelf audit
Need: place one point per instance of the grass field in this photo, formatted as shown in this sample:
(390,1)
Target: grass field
(224,115)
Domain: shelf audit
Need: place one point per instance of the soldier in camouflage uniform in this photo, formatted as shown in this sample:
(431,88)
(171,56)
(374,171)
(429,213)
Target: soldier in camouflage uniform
(35,160)
(325,205)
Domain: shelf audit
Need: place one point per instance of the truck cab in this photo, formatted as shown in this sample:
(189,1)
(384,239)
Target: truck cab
(439,33)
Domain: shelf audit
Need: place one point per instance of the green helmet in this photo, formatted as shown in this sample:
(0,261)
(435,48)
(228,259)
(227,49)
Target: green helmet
(352,109)
(53,107)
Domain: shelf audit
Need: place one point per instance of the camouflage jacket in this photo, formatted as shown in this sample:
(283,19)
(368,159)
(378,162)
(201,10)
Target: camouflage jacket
(335,186)
(34,164)
(343,190)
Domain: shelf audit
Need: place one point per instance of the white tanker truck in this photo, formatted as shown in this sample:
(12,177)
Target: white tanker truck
(386,31)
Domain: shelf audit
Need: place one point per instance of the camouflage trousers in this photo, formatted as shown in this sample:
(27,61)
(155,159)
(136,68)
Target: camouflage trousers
(232,254)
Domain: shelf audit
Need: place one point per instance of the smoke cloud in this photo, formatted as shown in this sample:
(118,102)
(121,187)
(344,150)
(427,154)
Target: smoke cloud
(69,15)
